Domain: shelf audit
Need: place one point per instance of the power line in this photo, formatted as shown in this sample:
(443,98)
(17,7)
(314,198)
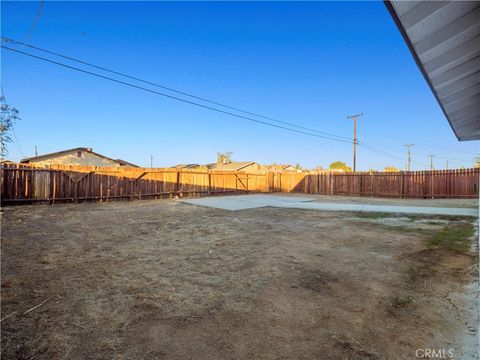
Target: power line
(448,149)
(377,150)
(171,96)
(453,159)
(308,131)
(387,154)
(430,145)
(196,104)
(6,39)
(449,158)
(35,20)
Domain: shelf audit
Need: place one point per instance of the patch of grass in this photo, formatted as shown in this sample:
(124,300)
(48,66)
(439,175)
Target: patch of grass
(400,304)
(401,301)
(411,217)
(405,229)
(415,217)
(374,215)
(433,222)
(457,237)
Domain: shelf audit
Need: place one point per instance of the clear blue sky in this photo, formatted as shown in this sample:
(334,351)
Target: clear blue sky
(310,63)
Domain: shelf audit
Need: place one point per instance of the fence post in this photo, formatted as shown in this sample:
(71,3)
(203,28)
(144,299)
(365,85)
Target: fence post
(2,182)
(177,185)
(402,180)
(108,187)
(209,183)
(132,189)
(75,196)
(431,183)
(332,185)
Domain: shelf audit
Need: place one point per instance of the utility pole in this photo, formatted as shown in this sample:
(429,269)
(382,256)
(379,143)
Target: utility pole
(151,161)
(354,117)
(431,161)
(409,158)
(447,164)
(36,151)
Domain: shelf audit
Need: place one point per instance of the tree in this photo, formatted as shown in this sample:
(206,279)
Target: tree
(339,165)
(391,169)
(298,167)
(9,115)
(476,163)
(224,158)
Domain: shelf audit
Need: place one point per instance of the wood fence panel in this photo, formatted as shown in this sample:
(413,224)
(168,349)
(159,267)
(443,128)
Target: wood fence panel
(59,183)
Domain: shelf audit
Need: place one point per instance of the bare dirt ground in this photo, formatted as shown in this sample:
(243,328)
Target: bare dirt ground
(166,280)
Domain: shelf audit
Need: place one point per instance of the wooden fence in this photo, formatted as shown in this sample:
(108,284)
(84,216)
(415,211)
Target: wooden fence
(63,183)
(459,183)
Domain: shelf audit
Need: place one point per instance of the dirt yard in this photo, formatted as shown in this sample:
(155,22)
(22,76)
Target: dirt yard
(166,280)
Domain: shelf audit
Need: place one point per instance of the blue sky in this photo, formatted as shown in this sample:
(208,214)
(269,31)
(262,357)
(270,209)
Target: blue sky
(309,63)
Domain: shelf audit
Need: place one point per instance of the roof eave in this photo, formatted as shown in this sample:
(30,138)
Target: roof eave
(402,30)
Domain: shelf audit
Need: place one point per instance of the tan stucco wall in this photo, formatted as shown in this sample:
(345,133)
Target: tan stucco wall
(72,159)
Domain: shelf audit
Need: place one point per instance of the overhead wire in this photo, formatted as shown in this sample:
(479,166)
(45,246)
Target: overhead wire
(173,97)
(6,39)
(35,20)
(308,131)
(429,145)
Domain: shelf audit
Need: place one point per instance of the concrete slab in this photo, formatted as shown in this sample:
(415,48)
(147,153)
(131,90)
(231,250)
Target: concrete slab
(387,209)
(225,203)
(242,202)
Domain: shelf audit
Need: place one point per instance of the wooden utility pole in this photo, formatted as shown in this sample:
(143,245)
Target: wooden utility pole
(36,151)
(354,117)
(431,161)
(409,158)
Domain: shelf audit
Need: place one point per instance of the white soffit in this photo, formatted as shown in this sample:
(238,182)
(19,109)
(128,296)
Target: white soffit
(444,39)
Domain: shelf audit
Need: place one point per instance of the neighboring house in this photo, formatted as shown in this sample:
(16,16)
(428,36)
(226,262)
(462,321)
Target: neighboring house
(126,164)
(78,156)
(238,166)
(186,166)
(280,167)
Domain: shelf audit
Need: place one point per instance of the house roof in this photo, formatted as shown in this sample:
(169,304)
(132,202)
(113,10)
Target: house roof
(59,153)
(278,167)
(186,166)
(234,165)
(125,163)
(444,39)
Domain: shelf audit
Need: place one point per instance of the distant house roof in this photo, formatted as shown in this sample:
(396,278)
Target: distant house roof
(63,152)
(186,166)
(125,163)
(280,167)
(234,165)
